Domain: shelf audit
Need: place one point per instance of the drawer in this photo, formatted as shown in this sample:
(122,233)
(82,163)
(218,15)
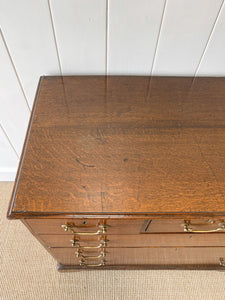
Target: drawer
(143,256)
(113,226)
(136,241)
(179,225)
(124,226)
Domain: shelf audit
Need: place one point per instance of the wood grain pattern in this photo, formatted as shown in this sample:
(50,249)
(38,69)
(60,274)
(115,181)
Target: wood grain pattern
(102,145)
(72,268)
(145,256)
(42,226)
(117,226)
(137,241)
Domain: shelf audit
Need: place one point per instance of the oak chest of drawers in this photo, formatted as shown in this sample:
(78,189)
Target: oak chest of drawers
(125,172)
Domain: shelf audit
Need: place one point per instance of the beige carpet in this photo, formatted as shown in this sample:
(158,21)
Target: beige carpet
(29,272)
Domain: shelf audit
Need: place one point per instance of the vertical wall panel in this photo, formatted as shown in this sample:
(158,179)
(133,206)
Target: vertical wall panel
(80,27)
(27,29)
(185,31)
(213,62)
(132,35)
(14,112)
(8,159)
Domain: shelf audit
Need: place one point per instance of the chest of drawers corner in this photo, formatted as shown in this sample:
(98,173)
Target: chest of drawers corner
(132,243)
(109,179)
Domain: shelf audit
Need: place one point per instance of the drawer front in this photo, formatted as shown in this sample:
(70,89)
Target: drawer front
(192,226)
(87,226)
(142,256)
(123,226)
(136,241)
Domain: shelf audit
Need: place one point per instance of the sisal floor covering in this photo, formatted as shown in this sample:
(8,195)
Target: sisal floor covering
(27,271)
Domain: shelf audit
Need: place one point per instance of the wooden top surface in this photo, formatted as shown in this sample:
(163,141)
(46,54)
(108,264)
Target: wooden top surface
(124,145)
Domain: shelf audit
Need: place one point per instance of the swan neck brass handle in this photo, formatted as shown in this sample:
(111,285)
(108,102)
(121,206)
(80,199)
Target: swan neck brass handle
(188,228)
(70,227)
(83,263)
(222,261)
(103,254)
(75,243)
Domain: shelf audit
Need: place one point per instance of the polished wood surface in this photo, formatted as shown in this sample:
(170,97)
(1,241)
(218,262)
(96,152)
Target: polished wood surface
(124,145)
(137,241)
(145,256)
(54,226)
(73,268)
(118,226)
(131,163)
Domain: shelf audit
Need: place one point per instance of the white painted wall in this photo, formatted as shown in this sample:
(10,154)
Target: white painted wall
(53,37)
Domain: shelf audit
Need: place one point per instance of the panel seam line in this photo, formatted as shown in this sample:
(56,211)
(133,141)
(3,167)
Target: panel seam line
(209,38)
(54,36)
(7,137)
(158,37)
(14,68)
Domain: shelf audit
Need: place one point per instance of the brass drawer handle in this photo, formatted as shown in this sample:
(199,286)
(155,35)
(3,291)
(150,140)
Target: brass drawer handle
(187,228)
(222,262)
(102,229)
(83,263)
(101,245)
(103,254)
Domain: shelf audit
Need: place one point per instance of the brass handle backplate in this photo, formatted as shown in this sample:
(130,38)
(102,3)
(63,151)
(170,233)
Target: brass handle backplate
(188,228)
(70,227)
